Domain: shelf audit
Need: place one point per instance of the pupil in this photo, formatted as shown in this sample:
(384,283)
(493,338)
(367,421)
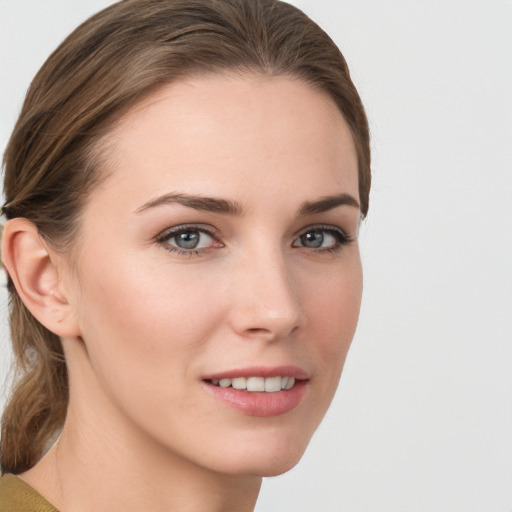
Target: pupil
(312,239)
(188,240)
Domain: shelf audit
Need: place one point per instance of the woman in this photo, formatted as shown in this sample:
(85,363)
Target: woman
(183,192)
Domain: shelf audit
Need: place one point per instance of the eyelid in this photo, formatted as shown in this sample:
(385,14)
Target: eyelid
(342,237)
(323,227)
(175,230)
(164,236)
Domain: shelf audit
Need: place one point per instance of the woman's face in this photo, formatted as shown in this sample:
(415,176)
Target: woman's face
(221,252)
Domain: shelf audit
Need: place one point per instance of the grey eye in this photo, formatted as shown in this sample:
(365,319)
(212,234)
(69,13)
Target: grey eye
(328,237)
(312,239)
(187,239)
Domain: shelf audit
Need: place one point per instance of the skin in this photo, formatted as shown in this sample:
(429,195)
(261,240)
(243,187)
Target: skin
(144,324)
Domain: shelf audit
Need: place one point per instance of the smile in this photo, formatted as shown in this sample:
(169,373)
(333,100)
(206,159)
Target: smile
(256,384)
(259,391)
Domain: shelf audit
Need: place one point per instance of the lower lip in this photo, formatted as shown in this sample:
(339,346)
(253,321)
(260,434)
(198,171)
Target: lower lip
(260,403)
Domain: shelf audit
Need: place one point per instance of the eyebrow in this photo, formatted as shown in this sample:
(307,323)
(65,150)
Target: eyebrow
(328,203)
(206,204)
(233,208)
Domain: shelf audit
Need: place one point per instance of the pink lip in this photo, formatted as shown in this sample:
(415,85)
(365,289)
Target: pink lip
(260,403)
(261,371)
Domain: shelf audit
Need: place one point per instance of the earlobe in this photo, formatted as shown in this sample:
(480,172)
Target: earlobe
(32,267)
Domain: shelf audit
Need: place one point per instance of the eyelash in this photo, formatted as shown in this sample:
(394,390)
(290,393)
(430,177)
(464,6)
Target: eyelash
(342,239)
(167,235)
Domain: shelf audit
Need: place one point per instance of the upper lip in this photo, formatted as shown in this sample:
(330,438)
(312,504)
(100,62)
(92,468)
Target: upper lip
(261,371)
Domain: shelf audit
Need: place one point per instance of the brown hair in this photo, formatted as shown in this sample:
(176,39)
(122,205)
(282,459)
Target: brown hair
(103,68)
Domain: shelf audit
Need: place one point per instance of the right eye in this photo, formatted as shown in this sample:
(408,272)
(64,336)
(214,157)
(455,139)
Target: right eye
(188,240)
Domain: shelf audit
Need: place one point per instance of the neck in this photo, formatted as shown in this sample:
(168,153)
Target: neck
(123,477)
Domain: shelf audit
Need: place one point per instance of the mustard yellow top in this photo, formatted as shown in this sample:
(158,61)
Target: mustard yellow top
(17,496)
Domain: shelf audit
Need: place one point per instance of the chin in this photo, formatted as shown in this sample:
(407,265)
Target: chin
(264,458)
(278,464)
(281,466)
(272,466)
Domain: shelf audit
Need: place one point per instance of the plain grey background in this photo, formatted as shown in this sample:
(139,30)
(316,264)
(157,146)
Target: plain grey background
(423,418)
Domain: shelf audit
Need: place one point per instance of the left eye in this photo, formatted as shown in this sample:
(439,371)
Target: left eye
(321,239)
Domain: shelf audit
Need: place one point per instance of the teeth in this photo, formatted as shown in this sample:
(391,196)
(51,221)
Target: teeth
(255,384)
(272,384)
(258,384)
(224,383)
(239,383)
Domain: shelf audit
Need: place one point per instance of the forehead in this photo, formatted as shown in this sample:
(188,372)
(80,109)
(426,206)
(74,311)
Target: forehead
(215,132)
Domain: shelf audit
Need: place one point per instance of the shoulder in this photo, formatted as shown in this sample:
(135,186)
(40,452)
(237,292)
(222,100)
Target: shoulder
(17,496)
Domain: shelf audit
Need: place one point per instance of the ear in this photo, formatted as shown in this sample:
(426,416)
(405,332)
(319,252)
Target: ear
(34,270)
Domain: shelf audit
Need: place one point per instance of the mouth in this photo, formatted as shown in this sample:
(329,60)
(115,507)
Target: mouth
(255,384)
(259,391)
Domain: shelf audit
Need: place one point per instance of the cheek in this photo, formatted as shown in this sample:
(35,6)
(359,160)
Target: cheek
(144,333)
(333,303)
(144,323)
(332,313)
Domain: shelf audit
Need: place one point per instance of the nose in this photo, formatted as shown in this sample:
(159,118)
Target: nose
(266,300)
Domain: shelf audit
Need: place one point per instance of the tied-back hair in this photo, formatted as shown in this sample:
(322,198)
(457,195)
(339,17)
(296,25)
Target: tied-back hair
(54,156)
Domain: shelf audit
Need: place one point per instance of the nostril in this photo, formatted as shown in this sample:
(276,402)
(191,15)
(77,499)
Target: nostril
(269,332)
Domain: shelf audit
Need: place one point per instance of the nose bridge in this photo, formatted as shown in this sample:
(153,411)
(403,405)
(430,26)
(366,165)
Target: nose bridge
(267,299)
